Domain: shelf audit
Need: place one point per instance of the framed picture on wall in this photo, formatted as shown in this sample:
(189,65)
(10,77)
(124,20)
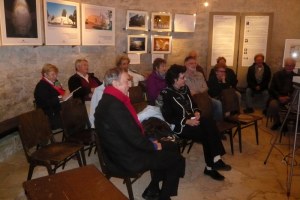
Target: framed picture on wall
(21,22)
(292,49)
(184,23)
(98,25)
(137,44)
(62,22)
(161,44)
(161,21)
(137,20)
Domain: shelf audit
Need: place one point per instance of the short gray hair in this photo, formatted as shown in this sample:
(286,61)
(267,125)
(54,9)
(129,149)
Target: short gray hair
(111,75)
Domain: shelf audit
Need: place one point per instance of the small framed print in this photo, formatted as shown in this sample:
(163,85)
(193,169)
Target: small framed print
(161,21)
(161,44)
(137,44)
(184,23)
(292,49)
(137,20)
(21,22)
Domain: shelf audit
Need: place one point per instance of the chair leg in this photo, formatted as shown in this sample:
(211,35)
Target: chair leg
(83,156)
(231,141)
(79,159)
(49,169)
(30,171)
(191,145)
(256,131)
(239,131)
(129,188)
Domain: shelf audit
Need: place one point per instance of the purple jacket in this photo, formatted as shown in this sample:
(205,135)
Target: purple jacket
(155,84)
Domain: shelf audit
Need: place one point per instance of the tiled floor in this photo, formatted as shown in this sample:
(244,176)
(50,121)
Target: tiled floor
(249,178)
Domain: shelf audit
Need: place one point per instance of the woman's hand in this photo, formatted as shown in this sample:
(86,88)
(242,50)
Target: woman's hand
(192,122)
(66,94)
(197,115)
(159,147)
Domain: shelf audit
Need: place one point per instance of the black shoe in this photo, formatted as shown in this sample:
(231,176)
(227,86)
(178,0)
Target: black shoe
(151,193)
(223,136)
(285,128)
(248,110)
(265,112)
(276,126)
(214,174)
(220,165)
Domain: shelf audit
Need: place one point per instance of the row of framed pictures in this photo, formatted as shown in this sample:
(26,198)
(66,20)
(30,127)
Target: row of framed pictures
(159,44)
(160,21)
(64,24)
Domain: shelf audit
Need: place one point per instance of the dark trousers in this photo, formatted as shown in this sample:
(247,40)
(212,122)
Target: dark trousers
(167,165)
(207,134)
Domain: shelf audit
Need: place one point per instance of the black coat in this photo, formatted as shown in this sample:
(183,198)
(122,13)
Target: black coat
(46,98)
(251,80)
(120,136)
(174,106)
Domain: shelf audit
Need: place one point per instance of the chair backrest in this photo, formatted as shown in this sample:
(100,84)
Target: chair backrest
(204,103)
(103,165)
(136,94)
(74,116)
(230,101)
(34,129)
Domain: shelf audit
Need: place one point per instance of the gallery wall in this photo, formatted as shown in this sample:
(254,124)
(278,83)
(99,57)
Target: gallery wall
(21,65)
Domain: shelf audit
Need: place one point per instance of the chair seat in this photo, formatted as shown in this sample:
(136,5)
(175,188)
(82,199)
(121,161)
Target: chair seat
(243,118)
(56,152)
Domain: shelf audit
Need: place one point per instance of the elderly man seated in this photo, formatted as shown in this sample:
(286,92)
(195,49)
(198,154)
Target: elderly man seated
(125,144)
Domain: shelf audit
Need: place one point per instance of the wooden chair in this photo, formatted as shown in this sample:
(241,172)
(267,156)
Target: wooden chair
(76,124)
(231,110)
(137,98)
(35,131)
(128,178)
(204,103)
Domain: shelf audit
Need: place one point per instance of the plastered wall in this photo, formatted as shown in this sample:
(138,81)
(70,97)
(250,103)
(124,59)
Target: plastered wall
(20,65)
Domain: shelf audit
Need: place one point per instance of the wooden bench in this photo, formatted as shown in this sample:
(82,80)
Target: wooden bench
(9,126)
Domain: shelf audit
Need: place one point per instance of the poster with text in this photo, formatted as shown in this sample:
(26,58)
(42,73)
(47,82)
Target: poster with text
(255,38)
(21,22)
(62,22)
(98,25)
(223,38)
(292,49)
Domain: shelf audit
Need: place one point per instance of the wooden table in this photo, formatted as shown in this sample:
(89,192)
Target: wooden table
(76,184)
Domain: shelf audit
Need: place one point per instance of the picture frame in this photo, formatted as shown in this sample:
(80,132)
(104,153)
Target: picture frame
(137,44)
(98,25)
(184,23)
(161,22)
(161,44)
(137,20)
(292,49)
(21,22)
(62,22)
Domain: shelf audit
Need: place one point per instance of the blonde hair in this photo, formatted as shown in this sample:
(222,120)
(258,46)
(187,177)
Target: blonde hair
(49,68)
(120,58)
(78,62)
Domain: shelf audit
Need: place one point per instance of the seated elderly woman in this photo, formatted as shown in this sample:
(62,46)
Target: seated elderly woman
(48,93)
(178,108)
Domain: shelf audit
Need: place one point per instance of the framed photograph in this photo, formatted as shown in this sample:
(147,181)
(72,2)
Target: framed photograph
(292,49)
(62,22)
(137,20)
(137,44)
(98,25)
(161,44)
(184,23)
(21,22)
(161,21)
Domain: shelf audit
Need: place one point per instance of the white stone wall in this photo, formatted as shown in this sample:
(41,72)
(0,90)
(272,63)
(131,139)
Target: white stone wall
(20,66)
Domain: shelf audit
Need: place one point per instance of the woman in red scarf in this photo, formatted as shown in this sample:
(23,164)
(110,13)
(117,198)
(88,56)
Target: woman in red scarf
(48,93)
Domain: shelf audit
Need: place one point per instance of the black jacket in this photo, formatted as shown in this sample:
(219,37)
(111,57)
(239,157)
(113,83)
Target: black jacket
(251,80)
(175,106)
(46,98)
(121,137)
(75,81)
